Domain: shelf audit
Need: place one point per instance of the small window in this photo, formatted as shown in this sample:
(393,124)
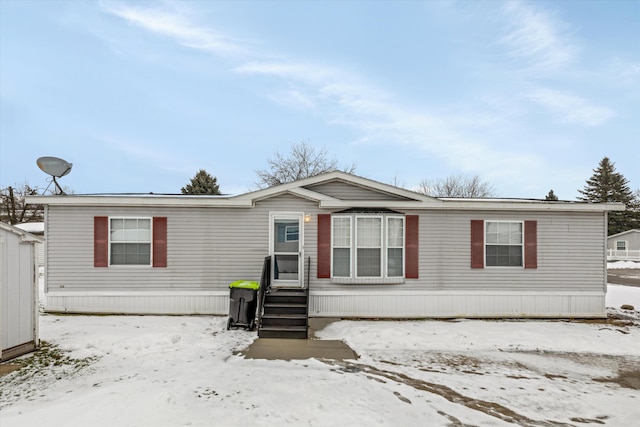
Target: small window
(291,233)
(341,246)
(503,247)
(395,247)
(621,245)
(130,241)
(368,246)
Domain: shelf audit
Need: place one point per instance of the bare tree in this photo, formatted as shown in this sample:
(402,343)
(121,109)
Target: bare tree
(395,181)
(465,186)
(13,208)
(303,161)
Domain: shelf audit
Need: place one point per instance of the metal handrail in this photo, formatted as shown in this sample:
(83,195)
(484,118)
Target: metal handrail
(306,291)
(265,287)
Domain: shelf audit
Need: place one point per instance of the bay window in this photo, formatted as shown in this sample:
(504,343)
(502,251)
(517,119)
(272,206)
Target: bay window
(368,247)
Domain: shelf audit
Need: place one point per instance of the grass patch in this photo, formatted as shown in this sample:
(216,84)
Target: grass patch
(38,371)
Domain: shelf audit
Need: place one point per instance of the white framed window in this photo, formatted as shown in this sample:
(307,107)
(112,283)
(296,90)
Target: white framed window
(341,246)
(369,248)
(291,233)
(395,247)
(130,241)
(621,245)
(504,243)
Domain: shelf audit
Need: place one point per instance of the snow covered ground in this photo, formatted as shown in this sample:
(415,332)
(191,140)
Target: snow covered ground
(623,264)
(187,371)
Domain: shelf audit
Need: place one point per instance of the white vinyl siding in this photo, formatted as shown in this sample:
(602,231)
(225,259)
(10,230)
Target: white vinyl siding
(341,191)
(207,248)
(210,248)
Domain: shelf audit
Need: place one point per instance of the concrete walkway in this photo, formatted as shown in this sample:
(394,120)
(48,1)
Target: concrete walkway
(290,349)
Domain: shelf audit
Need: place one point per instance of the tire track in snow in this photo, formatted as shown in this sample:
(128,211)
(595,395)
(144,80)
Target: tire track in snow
(490,408)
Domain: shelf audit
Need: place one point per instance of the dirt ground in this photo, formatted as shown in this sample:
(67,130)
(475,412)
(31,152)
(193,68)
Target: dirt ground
(6,368)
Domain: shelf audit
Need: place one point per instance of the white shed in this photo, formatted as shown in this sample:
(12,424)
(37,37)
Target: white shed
(18,292)
(35,228)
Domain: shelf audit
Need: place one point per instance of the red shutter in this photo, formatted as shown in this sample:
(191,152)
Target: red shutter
(100,241)
(477,243)
(531,244)
(159,241)
(324,246)
(411,243)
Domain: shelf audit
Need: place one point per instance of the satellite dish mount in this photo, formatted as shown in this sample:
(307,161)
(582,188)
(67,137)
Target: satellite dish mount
(55,167)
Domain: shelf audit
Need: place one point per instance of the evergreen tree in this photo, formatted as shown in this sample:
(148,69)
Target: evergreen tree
(202,184)
(551,196)
(608,185)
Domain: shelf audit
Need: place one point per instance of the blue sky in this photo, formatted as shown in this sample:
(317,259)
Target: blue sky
(140,95)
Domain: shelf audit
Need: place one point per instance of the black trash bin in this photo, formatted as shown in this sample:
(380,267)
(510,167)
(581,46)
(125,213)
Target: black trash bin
(243,299)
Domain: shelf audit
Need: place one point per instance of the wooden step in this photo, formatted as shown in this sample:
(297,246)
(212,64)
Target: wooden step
(283,332)
(278,308)
(287,297)
(284,320)
(285,314)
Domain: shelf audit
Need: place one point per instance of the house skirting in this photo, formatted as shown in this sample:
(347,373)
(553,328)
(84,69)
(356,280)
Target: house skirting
(139,302)
(450,304)
(376,304)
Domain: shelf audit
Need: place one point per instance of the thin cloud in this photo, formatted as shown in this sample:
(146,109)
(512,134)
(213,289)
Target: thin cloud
(175,24)
(625,71)
(570,109)
(167,160)
(537,38)
(344,98)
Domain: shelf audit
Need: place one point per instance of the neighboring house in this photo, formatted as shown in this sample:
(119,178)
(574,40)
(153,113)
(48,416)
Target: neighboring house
(375,250)
(18,292)
(624,246)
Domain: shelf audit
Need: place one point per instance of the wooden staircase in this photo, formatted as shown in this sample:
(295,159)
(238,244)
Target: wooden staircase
(285,314)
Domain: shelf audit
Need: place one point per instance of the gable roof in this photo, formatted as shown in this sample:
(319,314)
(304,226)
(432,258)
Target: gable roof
(635,230)
(304,188)
(310,189)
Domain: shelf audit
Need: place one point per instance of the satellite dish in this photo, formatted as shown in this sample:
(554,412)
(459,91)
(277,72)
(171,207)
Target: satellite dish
(55,167)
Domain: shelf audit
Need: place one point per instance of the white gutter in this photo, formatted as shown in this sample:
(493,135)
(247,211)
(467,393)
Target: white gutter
(325,202)
(151,200)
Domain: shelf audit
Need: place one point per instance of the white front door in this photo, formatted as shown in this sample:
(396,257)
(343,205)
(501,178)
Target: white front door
(286,249)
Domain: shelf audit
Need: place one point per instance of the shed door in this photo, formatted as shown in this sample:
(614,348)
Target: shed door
(286,249)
